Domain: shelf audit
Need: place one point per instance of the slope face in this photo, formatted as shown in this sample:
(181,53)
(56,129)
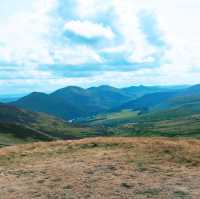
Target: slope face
(11,114)
(167,105)
(21,126)
(148,101)
(11,134)
(102,168)
(109,96)
(183,104)
(139,91)
(190,95)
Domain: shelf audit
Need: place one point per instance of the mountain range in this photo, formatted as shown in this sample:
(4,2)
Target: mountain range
(62,113)
(75,102)
(184,103)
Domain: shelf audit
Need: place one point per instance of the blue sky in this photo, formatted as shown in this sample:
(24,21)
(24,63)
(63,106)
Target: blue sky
(48,44)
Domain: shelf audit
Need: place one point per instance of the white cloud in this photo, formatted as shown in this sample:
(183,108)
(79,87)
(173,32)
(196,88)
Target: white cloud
(92,8)
(125,20)
(23,35)
(88,29)
(29,38)
(176,20)
(31,35)
(75,55)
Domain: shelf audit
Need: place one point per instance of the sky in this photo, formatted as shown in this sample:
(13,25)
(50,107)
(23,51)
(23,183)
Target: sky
(49,44)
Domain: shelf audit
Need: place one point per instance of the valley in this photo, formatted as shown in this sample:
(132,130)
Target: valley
(76,113)
(101,142)
(99,99)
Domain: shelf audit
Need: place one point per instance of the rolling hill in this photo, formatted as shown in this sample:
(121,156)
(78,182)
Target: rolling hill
(160,113)
(185,103)
(139,91)
(10,98)
(22,126)
(188,96)
(72,102)
(164,105)
(147,102)
(171,114)
(75,102)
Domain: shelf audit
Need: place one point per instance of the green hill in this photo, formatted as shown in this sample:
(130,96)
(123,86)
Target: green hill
(147,102)
(139,91)
(188,126)
(169,114)
(183,104)
(21,126)
(73,102)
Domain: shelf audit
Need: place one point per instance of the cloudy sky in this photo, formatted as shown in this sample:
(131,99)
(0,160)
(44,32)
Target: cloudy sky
(48,44)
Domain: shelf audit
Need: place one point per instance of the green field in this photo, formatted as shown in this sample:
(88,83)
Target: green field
(129,123)
(112,119)
(181,127)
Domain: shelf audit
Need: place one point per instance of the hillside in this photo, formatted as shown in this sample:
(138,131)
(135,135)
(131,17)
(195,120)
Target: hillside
(147,102)
(74,102)
(189,96)
(183,127)
(10,98)
(95,112)
(183,104)
(139,91)
(11,134)
(21,126)
(169,114)
(165,105)
(163,100)
(103,168)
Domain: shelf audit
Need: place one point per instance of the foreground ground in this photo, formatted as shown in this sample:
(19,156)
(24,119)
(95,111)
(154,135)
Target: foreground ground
(102,168)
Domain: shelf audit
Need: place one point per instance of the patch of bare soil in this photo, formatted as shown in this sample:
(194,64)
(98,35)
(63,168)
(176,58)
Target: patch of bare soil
(98,168)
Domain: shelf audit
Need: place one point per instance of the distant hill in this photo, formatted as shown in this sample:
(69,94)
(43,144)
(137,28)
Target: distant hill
(164,100)
(10,98)
(185,103)
(75,102)
(72,102)
(172,114)
(188,96)
(146,102)
(139,91)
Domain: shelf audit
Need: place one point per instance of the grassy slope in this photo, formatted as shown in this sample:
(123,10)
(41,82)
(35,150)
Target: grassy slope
(171,123)
(14,134)
(182,127)
(102,168)
(188,109)
(21,126)
(112,119)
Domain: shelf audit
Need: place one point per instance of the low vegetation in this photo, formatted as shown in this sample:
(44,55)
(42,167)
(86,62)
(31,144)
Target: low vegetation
(102,168)
(22,126)
(111,119)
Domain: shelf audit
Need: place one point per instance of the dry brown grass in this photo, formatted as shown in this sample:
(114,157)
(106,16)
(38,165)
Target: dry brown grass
(102,168)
